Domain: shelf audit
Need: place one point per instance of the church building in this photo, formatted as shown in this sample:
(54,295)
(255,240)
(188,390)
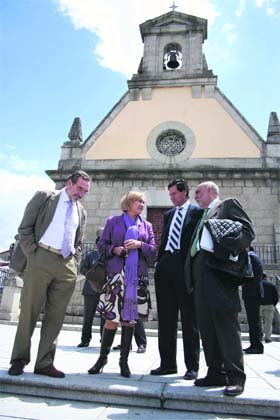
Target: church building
(175,122)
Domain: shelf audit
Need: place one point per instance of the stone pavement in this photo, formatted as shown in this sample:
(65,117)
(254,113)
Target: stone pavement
(137,395)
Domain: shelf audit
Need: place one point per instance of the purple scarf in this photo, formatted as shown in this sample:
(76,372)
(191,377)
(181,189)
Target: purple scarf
(130,304)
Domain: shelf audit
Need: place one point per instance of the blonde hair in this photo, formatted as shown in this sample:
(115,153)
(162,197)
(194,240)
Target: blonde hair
(129,198)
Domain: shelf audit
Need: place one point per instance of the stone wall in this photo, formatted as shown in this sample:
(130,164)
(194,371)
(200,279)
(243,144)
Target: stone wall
(258,191)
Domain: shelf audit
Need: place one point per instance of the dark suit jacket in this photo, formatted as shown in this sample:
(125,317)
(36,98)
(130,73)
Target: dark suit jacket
(86,263)
(37,216)
(192,216)
(220,292)
(270,293)
(251,289)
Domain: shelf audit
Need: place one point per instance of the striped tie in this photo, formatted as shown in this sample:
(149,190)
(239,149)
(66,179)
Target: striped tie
(174,240)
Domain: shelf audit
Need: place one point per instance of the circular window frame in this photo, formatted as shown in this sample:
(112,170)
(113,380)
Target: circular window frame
(171,125)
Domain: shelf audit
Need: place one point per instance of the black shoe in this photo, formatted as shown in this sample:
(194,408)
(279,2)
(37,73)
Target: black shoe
(118,347)
(233,390)
(162,371)
(190,375)
(83,344)
(16,368)
(254,350)
(141,349)
(125,371)
(51,371)
(215,380)
(267,340)
(99,365)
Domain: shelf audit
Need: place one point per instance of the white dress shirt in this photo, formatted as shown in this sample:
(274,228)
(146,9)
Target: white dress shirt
(184,211)
(55,231)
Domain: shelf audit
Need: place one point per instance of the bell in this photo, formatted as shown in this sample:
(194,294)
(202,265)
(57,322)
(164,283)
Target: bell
(173,62)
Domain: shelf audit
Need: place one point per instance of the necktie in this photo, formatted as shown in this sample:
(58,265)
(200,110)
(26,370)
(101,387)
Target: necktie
(195,244)
(66,247)
(174,240)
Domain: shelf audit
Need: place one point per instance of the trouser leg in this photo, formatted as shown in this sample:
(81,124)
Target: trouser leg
(90,304)
(140,334)
(167,309)
(253,316)
(32,298)
(59,292)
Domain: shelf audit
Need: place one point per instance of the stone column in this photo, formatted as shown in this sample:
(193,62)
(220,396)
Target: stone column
(9,309)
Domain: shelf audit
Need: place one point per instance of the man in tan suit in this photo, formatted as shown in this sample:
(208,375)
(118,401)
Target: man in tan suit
(50,241)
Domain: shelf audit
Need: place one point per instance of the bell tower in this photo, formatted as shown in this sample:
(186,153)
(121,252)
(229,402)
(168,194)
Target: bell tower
(173,54)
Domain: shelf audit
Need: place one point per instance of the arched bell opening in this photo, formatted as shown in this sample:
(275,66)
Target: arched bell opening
(172,58)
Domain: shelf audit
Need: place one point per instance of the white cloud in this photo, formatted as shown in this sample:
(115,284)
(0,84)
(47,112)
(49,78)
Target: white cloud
(116,24)
(240,9)
(16,191)
(271,7)
(229,29)
(13,162)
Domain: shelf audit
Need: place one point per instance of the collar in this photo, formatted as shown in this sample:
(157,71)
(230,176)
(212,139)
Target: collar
(65,197)
(184,206)
(214,203)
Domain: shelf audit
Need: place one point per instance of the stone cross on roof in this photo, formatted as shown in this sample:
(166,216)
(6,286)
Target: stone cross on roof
(173,7)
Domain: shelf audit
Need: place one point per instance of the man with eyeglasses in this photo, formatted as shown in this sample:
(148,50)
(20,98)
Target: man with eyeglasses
(50,245)
(171,293)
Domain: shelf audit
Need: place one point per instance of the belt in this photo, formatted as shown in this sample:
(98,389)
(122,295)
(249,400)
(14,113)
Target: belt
(50,248)
(176,252)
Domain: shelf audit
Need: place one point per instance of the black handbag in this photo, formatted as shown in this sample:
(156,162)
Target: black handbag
(96,275)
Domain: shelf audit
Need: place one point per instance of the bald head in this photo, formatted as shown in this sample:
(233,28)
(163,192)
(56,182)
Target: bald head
(205,193)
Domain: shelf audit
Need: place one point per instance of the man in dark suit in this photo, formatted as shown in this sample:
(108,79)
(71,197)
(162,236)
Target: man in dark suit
(215,275)
(252,292)
(171,293)
(50,242)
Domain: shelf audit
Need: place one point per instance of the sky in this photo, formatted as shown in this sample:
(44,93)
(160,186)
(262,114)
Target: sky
(61,59)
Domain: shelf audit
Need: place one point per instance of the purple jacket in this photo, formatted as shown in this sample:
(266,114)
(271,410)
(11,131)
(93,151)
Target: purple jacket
(114,235)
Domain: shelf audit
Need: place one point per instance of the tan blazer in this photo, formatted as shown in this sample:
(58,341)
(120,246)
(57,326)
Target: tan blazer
(37,216)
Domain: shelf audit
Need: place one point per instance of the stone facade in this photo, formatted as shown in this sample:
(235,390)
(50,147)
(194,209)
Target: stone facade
(122,154)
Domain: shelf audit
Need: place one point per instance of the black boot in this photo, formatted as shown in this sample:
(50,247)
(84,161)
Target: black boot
(106,343)
(127,335)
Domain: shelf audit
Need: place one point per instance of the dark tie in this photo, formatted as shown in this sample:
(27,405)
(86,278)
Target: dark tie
(66,247)
(195,243)
(174,240)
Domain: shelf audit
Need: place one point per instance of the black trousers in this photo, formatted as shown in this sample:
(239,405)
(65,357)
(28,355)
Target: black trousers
(219,329)
(139,334)
(172,299)
(252,307)
(90,305)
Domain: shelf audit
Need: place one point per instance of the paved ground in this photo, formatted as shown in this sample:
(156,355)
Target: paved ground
(109,396)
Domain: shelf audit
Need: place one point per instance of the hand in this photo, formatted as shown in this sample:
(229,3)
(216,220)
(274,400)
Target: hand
(132,244)
(120,251)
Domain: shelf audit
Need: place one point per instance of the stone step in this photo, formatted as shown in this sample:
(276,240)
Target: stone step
(172,392)
(112,389)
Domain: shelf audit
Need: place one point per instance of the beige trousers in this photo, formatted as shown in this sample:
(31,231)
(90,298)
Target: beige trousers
(266,314)
(49,280)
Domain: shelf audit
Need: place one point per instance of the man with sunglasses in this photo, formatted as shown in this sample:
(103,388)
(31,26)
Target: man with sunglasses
(171,293)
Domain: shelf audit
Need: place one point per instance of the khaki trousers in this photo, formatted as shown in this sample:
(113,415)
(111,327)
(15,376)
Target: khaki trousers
(49,280)
(266,313)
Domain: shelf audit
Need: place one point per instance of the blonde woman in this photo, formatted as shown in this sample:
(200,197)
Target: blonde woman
(127,242)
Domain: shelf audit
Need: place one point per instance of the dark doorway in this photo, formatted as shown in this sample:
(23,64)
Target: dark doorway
(155,216)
